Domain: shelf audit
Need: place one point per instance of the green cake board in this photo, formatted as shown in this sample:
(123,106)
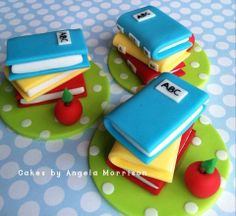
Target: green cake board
(38,122)
(197,69)
(174,199)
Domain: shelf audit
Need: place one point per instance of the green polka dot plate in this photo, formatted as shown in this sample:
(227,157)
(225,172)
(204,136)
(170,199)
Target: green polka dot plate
(174,199)
(197,69)
(38,122)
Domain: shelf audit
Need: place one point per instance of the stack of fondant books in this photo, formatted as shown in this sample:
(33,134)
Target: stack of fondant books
(152,42)
(153,129)
(41,66)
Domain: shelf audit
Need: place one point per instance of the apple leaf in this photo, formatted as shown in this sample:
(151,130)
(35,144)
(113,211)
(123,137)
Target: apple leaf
(208,166)
(67,97)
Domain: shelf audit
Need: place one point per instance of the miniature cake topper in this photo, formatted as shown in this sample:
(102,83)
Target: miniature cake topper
(68,110)
(202,178)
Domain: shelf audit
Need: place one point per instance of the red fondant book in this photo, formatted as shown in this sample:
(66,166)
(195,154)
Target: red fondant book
(153,185)
(76,86)
(145,73)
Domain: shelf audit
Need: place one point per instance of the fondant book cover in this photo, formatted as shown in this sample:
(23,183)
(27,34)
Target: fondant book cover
(76,86)
(155,32)
(46,53)
(148,122)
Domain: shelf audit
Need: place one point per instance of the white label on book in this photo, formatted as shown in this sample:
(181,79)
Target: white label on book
(63,38)
(121,48)
(144,15)
(171,90)
(134,39)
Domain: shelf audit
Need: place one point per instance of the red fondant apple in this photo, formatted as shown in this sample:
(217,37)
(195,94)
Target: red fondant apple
(202,178)
(68,110)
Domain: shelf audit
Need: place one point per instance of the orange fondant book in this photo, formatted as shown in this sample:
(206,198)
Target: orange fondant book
(153,185)
(76,86)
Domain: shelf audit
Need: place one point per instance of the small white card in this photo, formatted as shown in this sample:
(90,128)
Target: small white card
(171,90)
(144,15)
(63,38)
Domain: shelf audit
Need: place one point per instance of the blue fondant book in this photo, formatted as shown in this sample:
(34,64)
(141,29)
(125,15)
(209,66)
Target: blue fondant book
(152,119)
(46,53)
(156,33)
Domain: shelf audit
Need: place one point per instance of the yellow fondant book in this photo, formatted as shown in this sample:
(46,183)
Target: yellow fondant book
(124,44)
(162,167)
(31,88)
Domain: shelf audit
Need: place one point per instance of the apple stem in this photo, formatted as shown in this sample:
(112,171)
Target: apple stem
(67,97)
(208,166)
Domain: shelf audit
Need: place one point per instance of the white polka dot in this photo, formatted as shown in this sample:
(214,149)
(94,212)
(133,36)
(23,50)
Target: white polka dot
(105,35)
(42,11)
(231,38)
(29,208)
(196,141)
(5,151)
(150,212)
(55,24)
(219,31)
(207,24)
(26,123)
(1,203)
(97,88)
(54,146)
(216,111)
(186,23)
(18,190)
(109,23)
(81,15)
(195,64)
(115,89)
(224,61)
(82,148)
(203,76)
(90,201)
(218,18)
(20,28)
(62,13)
(118,60)
(101,50)
(222,155)
(211,52)
(124,76)
(222,45)
(84,120)
(7,108)
(134,89)
(195,5)
(54,196)
(214,70)
(230,123)
(65,161)
(214,89)
(9,170)
(97,28)
(209,37)
(42,175)
(94,150)
(105,5)
(108,188)
(227,79)
(67,212)
(22,142)
(226,202)
(45,134)
(77,183)
(191,208)
(197,49)
(224,134)
(204,120)
(32,157)
(89,22)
